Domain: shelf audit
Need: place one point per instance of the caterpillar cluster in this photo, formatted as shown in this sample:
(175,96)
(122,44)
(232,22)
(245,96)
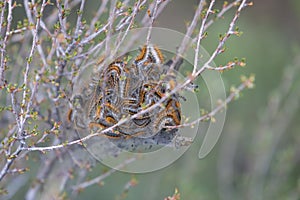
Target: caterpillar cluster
(124,89)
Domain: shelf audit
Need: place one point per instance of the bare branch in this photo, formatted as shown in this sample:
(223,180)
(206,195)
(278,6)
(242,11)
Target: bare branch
(248,83)
(5,41)
(200,35)
(152,16)
(103,176)
(101,9)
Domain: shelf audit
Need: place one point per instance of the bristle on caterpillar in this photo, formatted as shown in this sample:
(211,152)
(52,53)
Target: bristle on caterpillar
(149,54)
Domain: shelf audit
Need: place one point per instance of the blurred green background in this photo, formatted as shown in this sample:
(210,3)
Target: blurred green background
(258,154)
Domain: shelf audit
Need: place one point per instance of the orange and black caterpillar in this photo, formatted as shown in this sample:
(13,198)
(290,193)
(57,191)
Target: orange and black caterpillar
(124,89)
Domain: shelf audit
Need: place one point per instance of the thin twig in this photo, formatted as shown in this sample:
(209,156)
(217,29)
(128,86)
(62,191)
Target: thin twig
(153,17)
(125,33)
(200,35)
(103,176)
(28,64)
(217,109)
(110,20)
(2,15)
(221,44)
(99,12)
(221,13)
(4,43)
(10,160)
(79,18)
(23,116)
(62,21)
(185,42)
(92,36)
